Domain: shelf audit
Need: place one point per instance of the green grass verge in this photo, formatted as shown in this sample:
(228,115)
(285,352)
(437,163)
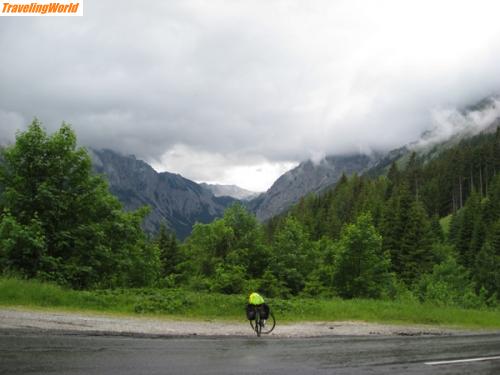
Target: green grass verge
(191,305)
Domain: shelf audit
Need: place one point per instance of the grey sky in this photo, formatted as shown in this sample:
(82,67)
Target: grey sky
(238,91)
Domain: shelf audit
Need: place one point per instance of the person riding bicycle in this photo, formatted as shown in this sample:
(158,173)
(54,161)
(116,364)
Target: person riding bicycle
(255,301)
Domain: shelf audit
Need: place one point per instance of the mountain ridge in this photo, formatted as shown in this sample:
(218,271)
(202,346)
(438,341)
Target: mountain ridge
(310,177)
(182,202)
(307,177)
(173,199)
(482,117)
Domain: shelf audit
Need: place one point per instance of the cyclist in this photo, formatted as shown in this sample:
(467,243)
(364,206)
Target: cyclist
(255,301)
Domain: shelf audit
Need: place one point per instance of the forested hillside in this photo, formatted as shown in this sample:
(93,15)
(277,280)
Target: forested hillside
(376,237)
(428,231)
(406,207)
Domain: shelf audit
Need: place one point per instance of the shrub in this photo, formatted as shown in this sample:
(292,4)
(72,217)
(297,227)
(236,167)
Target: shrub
(449,284)
(171,302)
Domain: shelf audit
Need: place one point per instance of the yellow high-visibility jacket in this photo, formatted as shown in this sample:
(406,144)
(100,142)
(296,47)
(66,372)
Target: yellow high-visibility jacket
(255,299)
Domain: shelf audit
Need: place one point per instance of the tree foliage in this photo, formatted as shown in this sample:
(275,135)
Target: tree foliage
(59,222)
(363,267)
(366,237)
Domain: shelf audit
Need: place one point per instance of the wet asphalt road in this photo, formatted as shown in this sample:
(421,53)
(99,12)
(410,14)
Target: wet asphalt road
(32,352)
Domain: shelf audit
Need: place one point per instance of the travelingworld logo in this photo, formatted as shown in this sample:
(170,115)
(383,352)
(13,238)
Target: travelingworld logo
(42,8)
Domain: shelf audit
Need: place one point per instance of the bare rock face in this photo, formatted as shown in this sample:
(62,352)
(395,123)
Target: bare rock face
(307,177)
(174,199)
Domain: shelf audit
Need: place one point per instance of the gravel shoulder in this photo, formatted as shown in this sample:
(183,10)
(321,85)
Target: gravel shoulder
(14,318)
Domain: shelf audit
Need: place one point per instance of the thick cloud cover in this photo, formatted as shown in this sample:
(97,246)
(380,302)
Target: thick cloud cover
(237,91)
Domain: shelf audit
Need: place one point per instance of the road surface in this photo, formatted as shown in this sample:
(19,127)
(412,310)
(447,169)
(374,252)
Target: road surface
(63,352)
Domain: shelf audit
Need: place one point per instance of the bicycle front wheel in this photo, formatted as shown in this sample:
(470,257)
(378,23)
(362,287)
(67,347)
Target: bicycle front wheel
(258,324)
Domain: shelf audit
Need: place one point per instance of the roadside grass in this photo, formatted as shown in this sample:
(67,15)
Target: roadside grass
(181,304)
(394,312)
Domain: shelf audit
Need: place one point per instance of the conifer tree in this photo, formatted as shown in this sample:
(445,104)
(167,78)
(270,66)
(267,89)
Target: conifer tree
(436,229)
(412,174)
(492,203)
(416,245)
(394,223)
(394,177)
(392,230)
(487,262)
(169,251)
(469,223)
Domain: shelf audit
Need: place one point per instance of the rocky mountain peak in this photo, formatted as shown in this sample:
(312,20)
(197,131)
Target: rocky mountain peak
(307,177)
(175,200)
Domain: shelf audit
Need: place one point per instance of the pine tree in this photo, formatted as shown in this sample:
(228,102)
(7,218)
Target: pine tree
(391,229)
(394,177)
(455,223)
(436,229)
(469,223)
(169,251)
(412,174)
(492,204)
(487,263)
(416,245)
(394,225)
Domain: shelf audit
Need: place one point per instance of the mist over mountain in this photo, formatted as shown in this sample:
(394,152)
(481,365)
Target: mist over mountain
(448,128)
(230,191)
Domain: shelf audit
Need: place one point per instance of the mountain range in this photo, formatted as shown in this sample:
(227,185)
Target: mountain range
(180,202)
(174,200)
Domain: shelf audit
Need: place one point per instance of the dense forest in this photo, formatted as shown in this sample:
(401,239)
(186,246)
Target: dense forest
(429,230)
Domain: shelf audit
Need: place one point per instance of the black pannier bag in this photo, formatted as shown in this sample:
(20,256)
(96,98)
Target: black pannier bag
(251,312)
(264,311)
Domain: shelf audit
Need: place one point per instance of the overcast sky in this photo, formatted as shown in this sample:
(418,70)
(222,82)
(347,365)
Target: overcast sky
(238,92)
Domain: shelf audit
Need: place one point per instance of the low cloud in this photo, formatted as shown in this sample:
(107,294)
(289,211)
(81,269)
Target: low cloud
(254,173)
(10,123)
(450,121)
(247,84)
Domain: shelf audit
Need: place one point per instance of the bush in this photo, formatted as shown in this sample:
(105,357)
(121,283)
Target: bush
(228,279)
(449,284)
(170,302)
(199,284)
